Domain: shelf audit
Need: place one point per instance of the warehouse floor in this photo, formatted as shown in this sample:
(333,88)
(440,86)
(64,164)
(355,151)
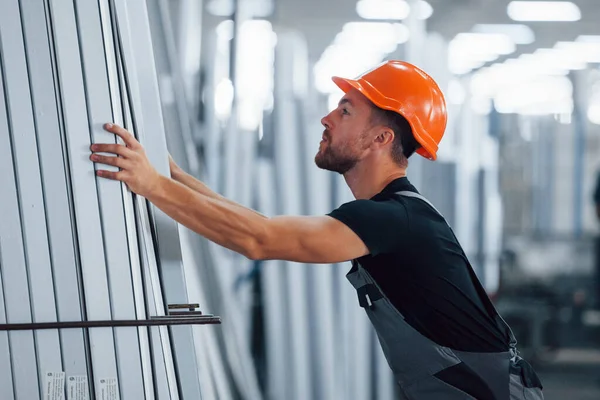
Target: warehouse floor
(574,374)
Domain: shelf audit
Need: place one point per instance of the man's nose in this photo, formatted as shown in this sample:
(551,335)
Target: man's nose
(326,122)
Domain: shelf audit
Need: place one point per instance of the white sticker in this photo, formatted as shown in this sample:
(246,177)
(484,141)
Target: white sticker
(77,388)
(54,386)
(107,389)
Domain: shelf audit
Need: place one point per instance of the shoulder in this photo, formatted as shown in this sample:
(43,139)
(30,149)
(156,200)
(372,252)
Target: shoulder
(382,225)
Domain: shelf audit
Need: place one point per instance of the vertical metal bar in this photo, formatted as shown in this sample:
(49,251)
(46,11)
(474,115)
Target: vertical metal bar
(86,206)
(277,332)
(16,293)
(119,110)
(110,199)
(134,14)
(213,378)
(580,125)
(54,181)
(163,369)
(145,302)
(156,305)
(27,175)
(6,375)
(288,185)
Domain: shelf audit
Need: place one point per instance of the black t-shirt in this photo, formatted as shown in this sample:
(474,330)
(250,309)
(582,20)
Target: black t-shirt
(419,265)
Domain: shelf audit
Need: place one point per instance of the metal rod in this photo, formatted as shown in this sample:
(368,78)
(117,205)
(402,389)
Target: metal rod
(195,320)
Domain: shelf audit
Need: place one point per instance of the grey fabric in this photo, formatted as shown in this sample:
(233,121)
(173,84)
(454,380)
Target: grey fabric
(519,392)
(492,367)
(410,355)
(414,359)
(431,388)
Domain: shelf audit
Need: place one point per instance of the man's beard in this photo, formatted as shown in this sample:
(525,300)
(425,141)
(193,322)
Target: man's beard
(336,161)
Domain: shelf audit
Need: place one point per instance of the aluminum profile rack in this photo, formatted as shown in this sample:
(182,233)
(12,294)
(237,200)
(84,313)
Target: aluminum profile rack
(87,269)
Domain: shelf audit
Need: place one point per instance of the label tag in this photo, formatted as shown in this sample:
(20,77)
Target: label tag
(108,389)
(77,388)
(54,386)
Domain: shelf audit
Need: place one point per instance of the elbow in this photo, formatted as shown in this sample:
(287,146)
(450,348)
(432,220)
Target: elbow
(255,248)
(260,252)
(254,252)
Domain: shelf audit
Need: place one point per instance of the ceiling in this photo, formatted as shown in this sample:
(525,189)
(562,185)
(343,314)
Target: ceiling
(320,20)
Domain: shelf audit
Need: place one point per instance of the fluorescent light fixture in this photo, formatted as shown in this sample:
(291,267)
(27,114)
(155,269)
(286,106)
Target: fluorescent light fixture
(515,89)
(372,35)
(486,43)
(423,10)
(518,33)
(584,52)
(543,11)
(383,9)
(559,59)
(588,39)
(468,51)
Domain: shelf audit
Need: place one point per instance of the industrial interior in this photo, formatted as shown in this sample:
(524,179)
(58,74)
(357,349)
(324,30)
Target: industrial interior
(104,296)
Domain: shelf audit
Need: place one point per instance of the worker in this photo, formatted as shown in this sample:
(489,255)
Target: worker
(438,329)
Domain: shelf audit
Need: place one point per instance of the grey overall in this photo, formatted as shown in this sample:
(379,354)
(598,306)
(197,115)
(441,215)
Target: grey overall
(421,366)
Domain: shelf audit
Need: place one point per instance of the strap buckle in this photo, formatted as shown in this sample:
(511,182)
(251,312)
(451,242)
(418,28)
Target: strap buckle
(368,294)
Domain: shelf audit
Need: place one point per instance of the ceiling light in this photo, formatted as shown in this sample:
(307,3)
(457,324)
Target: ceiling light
(584,52)
(543,11)
(588,39)
(383,9)
(468,51)
(518,33)
(373,35)
(486,43)
(559,59)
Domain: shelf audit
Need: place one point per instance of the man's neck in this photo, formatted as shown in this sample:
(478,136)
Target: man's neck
(366,182)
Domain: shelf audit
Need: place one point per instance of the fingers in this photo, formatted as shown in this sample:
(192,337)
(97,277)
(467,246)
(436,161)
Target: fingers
(114,175)
(113,148)
(127,137)
(110,160)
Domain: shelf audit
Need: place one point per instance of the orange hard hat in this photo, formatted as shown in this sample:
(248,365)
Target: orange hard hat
(401,87)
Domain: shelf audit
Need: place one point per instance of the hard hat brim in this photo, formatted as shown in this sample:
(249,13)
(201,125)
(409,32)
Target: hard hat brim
(427,150)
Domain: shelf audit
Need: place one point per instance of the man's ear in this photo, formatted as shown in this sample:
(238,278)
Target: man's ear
(384,136)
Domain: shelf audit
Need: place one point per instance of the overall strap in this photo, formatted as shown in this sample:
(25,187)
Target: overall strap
(482,293)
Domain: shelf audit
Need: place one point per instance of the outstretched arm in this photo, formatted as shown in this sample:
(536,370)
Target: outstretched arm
(304,239)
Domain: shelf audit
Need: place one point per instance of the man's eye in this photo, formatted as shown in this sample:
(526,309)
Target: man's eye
(345,111)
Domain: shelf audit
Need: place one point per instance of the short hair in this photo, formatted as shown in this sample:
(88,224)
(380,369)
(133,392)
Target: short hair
(404,144)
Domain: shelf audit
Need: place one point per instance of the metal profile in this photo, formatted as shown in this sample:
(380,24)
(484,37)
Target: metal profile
(162,364)
(139,58)
(31,196)
(18,299)
(7,379)
(287,159)
(85,198)
(110,200)
(36,27)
